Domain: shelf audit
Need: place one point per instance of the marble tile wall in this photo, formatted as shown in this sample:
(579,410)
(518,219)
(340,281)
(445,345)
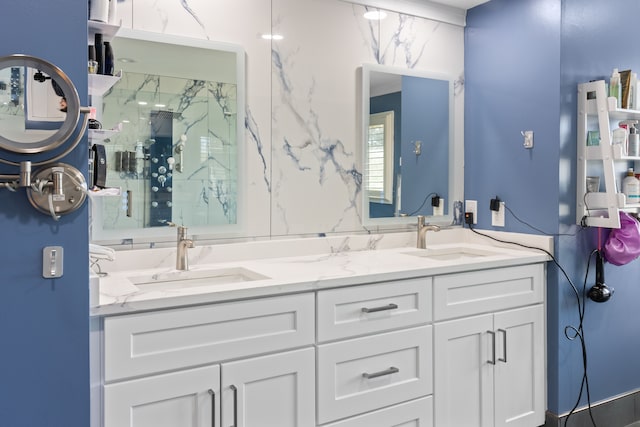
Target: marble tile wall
(303,166)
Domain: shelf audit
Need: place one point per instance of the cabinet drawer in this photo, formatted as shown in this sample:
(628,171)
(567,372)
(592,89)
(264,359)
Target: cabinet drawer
(417,413)
(483,291)
(364,374)
(367,309)
(145,343)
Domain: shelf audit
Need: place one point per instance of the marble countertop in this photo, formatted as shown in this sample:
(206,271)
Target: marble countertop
(146,279)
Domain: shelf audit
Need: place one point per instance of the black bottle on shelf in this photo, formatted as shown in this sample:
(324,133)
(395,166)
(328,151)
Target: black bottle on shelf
(108,59)
(99,52)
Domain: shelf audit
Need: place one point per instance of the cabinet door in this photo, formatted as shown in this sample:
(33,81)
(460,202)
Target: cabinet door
(180,398)
(270,391)
(463,374)
(520,380)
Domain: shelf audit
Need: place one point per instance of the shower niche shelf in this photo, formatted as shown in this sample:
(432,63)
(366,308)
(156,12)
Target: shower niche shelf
(605,160)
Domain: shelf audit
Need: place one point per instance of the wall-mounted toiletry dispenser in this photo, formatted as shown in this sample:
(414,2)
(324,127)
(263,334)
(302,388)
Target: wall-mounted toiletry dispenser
(41,111)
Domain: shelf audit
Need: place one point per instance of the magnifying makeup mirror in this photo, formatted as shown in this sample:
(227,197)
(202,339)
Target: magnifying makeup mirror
(40,111)
(39,105)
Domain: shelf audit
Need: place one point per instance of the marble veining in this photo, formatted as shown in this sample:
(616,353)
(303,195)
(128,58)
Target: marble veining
(253,133)
(403,42)
(191,12)
(314,147)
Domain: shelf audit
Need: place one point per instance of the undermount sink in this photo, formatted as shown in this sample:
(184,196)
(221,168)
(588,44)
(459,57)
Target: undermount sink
(193,278)
(451,253)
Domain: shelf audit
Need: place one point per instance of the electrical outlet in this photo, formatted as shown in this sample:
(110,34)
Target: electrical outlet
(439,210)
(472,206)
(497,217)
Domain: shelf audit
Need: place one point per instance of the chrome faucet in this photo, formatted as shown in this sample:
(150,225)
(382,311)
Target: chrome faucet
(182,256)
(422,232)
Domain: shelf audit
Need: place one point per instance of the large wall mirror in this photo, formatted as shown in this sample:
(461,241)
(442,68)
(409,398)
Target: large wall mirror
(171,132)
(409,154)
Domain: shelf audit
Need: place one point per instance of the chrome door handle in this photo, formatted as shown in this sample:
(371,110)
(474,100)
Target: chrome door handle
(213,407)
(493,348)
(383,308)
(391,370)
(235,405)
(504,342)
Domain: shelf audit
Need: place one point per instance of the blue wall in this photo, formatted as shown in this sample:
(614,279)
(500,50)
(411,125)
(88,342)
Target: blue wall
(523,61)
(425,118)
(44,327)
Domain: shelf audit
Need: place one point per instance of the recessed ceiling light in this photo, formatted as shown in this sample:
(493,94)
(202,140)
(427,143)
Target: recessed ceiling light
(375,15)
(126,60)
(160,105)
(142,103)
(272,36)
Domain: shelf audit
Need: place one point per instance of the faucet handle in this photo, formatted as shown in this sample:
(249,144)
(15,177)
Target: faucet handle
(421,219)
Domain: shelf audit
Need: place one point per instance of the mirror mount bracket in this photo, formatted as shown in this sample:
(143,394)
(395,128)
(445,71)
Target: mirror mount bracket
(57,189)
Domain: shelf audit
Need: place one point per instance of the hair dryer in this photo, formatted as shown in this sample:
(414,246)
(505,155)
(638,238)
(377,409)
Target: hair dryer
(600,292)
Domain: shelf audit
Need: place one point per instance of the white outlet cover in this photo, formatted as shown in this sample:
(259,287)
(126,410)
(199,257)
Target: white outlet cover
(497,217)
(472,206)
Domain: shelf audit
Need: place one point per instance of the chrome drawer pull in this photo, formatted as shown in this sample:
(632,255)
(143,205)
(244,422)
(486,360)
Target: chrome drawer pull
(235,405)
(391,370)
(213,407)
(383,308)
(504,341)
(493,348)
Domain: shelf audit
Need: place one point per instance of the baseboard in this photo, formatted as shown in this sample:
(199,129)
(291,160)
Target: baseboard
(622,411)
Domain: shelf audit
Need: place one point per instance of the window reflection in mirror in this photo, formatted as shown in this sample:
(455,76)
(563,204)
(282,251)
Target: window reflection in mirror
(177,114)
(380,149)
(409,142)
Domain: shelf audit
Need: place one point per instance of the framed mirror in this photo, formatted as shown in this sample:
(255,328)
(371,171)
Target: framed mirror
(408,146)
(172,132)
(39,105)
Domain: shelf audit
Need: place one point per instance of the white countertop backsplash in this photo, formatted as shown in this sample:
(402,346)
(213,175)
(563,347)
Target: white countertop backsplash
(297,265)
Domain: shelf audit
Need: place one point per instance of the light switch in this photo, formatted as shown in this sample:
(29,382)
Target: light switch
(52,262)
(528,138)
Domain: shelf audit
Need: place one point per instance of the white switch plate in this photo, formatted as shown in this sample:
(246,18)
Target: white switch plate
(52,262)
(472,206)
(528,139)
(497,217)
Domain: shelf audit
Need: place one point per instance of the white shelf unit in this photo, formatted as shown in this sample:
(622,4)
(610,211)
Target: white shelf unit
(100,83)
(108,31)
(600,209)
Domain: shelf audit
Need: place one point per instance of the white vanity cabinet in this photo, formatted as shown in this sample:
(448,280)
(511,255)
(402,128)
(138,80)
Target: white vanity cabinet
(191,366)
(490,368)
(459,349)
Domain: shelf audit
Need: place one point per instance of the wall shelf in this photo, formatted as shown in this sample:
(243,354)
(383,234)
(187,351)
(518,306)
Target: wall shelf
(108,31)
(100,83)
(99,135)
(600,209)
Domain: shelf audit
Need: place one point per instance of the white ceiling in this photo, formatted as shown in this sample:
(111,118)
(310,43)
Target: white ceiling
(460,4)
